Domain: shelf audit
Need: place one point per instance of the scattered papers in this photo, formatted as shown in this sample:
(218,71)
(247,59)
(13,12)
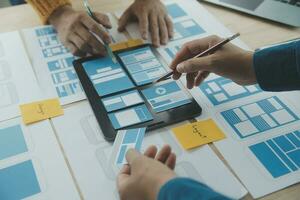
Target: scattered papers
(32,165)
(198,133)
(40,110)
(53,63)
(125,140)
(89,157)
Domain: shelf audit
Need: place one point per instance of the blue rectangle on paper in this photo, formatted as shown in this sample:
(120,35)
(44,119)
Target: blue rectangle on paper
(120,119)
(61,64)
(12,141)
(107,77)
(132,138)
(45,31)
(220,81)
(231,117)
(269,160)
(282,155)
(284,143)
(295,157)
(118,102)
(294,139)
(18,181)
(122,154)
(297,134)
(65,76)
(267,106)
(175,11)
(258,121)
(166,96)
(187,28)
(137,55)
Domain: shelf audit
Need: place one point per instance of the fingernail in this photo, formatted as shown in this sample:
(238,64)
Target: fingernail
(179,67)
(144,35)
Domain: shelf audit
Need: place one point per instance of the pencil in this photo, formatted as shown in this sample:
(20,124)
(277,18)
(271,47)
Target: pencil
(206,52)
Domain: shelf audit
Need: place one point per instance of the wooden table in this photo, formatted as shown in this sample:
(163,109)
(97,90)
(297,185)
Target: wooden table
(255,32)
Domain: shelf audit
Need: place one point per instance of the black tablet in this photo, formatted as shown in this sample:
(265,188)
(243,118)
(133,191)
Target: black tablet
(123,96)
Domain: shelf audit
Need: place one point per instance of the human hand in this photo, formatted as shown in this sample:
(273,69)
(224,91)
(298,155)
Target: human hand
(74,29)
(230,62)
(145,174)
(152,15)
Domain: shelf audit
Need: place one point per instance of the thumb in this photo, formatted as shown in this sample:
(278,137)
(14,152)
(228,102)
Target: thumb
(195,65)
(103,19)
(131,155)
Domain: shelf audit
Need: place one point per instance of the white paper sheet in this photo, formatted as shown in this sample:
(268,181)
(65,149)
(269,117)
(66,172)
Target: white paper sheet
(89,153)
(37,144)
(52,62)
(17,81)
(236,151)
(261,180)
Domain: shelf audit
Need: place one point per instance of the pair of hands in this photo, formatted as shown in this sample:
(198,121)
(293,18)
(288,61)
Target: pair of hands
(74,28)
(145,174)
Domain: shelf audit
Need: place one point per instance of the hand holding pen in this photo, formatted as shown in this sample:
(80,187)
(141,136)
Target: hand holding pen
(73,28)
(104,36)
(215,55)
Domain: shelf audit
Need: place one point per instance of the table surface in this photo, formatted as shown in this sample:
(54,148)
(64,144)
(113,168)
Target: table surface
(255,32)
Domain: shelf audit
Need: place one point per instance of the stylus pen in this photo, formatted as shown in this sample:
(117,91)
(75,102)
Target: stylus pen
(107,47)
(206,52)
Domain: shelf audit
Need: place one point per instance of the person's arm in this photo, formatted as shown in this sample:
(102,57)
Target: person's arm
(274,69)
(45,8)
(278,68)
(185,188)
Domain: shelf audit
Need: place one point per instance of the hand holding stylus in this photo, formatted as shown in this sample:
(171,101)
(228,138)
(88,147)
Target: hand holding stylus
(228,61)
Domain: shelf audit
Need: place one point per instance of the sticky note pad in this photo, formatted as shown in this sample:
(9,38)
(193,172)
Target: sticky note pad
(40,110)
(198,133)
(125,140)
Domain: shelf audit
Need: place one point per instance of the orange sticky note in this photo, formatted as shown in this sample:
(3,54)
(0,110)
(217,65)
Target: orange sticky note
(40,110)
(198,133)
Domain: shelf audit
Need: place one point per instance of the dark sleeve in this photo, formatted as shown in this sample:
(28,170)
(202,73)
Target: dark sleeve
(188,189)
(278,68)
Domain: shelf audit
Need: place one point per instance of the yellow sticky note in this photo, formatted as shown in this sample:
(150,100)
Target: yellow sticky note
(198,133)
(40,110)
(125,45)
(134,42)
(118,46)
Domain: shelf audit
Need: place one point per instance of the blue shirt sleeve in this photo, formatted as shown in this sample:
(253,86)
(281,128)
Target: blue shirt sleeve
(188,189)
(278,68)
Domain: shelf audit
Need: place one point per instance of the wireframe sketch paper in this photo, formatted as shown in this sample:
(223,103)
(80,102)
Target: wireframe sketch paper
(17,79)
(31,163)
(89,155)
